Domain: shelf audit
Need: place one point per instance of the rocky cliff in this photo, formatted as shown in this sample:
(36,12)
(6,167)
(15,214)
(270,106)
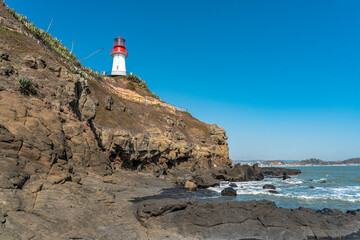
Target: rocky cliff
(58,120)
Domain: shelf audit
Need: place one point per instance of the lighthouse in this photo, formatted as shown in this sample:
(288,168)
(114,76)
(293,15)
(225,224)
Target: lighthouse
(119,54)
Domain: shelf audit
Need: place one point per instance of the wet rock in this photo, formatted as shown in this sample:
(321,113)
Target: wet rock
(311,187)
(352,212)
(279,172)
(269,186)
(228,192)
(233,185)
(239,173)
(285,176)
(273,191)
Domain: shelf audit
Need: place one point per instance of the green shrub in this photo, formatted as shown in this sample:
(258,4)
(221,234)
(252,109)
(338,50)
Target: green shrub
(74,70)
(155,96)
(133,78)
(26,86)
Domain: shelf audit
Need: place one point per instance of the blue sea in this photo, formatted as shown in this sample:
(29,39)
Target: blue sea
(336,187)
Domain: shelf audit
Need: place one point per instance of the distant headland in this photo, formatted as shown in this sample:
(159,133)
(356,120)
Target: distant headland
(310,162)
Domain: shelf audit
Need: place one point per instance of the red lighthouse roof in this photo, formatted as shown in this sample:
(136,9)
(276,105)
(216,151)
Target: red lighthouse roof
(119,47)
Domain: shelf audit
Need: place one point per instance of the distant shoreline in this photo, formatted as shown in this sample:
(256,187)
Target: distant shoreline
(307,165)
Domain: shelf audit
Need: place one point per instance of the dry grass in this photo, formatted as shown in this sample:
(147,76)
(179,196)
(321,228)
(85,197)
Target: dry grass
(143,116)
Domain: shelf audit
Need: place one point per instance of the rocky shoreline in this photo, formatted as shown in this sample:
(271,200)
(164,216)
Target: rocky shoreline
(131,205)
(80,162)
(244,220)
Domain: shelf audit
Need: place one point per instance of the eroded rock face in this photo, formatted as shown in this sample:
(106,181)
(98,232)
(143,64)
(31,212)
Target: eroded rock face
(157,153)
(244,220)
(63,124)
(38,141)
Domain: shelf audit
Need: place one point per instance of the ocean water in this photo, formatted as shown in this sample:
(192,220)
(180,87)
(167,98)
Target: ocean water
(341,189)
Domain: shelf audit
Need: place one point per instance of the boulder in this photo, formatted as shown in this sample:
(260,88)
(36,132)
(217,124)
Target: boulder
(190,185)
(233,185)
(239,173)
(274,192)
(285,176)
(279,172)
(206,180)
(229,192)
(269,186)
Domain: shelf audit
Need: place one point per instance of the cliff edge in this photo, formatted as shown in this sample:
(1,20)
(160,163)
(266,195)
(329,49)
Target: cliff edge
(59,119)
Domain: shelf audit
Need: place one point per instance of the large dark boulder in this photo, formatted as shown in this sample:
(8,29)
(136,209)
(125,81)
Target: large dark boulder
(269,186)
(228,192)
(279,172)
(206,180)
(285,176)
(273,191)
(233,185)
(239,173)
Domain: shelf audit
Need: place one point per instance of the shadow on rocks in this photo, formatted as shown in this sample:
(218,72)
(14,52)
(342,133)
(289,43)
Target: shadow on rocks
(200,195)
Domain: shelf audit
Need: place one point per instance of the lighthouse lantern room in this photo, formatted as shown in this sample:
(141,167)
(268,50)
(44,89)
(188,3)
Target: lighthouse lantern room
(119,54)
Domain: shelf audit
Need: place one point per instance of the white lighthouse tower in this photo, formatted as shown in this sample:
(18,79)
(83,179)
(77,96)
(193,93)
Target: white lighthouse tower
(119,53)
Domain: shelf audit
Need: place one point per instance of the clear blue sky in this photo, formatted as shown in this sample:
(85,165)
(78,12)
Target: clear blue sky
(281,77)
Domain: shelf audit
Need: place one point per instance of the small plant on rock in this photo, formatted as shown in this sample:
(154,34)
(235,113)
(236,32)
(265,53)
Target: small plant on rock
(26,86)
(134,78)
